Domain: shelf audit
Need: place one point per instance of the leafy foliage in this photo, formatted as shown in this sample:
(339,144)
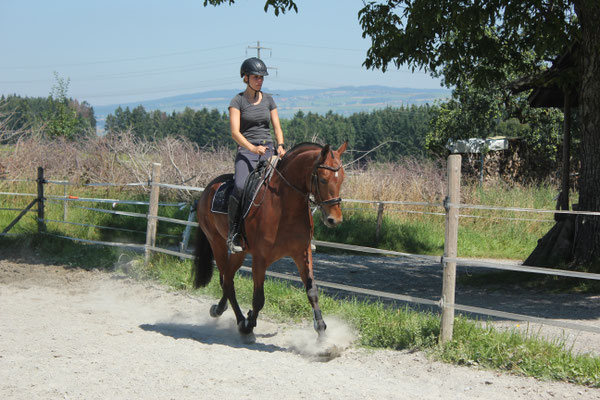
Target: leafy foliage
(483,42)
(62,119)
(55,117)
(478,113)
(279,6)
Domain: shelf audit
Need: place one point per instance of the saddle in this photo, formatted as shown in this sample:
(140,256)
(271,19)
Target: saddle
(262,173)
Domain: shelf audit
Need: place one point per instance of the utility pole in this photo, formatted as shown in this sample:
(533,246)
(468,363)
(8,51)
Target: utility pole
(258,48)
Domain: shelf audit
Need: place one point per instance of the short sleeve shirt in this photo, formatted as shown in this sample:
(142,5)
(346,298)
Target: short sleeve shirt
(255,119)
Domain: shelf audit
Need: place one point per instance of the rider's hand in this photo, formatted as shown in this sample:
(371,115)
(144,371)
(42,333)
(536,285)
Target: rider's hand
(260,150)
(280,151)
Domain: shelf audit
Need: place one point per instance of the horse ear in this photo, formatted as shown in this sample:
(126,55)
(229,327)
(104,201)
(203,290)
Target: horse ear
(342,148)
(324,153)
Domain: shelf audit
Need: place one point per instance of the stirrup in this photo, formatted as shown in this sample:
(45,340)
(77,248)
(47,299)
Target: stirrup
(232,246)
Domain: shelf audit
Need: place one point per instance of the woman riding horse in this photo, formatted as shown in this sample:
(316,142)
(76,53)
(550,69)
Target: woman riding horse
(250,114)
(279,224)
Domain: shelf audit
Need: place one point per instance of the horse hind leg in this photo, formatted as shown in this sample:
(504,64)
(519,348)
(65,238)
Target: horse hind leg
(216,310)
(259,268)
(227,268)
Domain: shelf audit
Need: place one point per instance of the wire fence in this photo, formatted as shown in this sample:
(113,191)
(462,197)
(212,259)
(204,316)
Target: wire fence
(380,207)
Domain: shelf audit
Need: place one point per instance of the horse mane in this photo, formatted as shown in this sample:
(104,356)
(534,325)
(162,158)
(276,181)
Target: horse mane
(299,148)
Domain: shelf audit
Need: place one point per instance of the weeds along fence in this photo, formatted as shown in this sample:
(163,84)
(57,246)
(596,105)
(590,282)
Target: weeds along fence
(450,205)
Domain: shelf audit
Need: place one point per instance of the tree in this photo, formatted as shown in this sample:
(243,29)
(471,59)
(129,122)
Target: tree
(482,113)
(492,41)
(63,119)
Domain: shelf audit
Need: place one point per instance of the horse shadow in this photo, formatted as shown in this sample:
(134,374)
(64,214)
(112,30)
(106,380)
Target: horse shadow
(212,333)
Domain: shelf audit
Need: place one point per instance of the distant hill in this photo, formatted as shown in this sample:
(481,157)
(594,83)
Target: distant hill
(343,100)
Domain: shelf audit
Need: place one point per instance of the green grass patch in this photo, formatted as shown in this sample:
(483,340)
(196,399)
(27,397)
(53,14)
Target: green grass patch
(477,238)
(517,352)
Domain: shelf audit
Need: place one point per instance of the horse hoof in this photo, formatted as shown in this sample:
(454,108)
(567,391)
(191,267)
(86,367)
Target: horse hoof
(245,328)
(214,310)
(320,326)
(321,336)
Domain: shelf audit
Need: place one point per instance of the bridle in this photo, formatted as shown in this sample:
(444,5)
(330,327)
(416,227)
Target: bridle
(314,183)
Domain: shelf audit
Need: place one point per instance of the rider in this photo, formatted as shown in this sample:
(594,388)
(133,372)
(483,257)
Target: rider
(250,114)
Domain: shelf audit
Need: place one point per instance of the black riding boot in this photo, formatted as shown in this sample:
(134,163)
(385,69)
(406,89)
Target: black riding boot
(233,238)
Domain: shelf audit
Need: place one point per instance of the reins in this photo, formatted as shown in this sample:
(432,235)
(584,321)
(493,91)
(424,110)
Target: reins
(313,182)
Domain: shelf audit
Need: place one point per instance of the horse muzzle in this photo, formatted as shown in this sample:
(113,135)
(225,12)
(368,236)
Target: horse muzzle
(332,217)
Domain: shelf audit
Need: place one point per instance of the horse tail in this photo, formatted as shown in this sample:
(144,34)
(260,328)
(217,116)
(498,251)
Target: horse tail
(202,270)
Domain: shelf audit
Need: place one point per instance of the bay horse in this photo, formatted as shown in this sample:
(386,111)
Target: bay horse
(279,224)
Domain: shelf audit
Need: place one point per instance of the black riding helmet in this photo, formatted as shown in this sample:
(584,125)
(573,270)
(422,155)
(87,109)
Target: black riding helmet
(253,66)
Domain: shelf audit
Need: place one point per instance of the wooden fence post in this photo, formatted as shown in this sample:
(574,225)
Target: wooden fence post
(450,247)
(40,200)
(379,222)
(152,211)
(65,203)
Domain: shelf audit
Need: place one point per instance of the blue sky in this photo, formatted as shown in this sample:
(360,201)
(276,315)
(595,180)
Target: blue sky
(132,50)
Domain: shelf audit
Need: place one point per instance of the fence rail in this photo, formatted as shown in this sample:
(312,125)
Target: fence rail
(448,261)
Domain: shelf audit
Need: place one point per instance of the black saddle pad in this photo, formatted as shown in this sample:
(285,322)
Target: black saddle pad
(219,202)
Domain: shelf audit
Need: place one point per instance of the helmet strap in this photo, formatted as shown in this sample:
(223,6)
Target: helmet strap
(256,92)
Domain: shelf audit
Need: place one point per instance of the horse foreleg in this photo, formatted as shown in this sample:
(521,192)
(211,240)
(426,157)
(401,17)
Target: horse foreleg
(313,299)
(304,264)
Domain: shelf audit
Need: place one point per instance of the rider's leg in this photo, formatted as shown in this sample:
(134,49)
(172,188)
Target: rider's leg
(243,167)
(245,161)
(233,238)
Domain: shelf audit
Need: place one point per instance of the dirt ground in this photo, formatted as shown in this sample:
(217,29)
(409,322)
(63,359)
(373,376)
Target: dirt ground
(67,333)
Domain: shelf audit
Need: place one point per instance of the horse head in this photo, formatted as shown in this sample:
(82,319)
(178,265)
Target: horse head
(326,181)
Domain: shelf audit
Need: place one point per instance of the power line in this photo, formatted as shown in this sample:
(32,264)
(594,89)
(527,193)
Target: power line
(121,60)
(320,47)
(164,89)
(131,74)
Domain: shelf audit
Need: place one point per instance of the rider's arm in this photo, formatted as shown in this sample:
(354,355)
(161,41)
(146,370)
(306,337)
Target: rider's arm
(278,131)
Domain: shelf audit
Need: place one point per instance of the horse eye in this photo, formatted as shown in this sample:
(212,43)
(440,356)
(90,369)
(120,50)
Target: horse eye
(323,181)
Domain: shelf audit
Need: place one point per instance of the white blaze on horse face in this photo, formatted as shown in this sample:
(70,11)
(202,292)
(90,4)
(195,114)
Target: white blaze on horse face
(336,174)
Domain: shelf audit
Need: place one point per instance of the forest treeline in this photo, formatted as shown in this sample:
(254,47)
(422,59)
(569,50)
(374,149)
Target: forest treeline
(51,116)
(404,128)
(413,131)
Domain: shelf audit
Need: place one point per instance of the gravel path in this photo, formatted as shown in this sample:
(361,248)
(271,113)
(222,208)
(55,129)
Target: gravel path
(73,334)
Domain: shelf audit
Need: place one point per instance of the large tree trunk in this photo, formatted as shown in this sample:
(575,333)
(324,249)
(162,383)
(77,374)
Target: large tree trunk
(587,240)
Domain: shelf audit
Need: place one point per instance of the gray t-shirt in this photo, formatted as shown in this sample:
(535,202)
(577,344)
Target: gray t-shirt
(254,119)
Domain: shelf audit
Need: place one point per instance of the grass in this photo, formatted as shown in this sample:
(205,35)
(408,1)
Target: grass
(477,238)
(524,354)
